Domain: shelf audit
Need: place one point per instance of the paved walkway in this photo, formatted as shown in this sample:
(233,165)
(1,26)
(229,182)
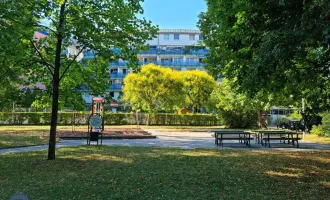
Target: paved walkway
(179,138)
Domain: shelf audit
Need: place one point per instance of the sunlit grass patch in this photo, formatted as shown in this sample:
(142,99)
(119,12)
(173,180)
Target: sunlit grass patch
(105,172)
(317,139)
(282,174)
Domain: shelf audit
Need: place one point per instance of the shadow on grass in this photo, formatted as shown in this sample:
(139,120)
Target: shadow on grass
(103,172)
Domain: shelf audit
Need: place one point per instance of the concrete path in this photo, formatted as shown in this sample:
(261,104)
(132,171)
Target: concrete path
(182,138)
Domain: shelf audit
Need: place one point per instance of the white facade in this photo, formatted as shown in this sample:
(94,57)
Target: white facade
(168,49)
(185,38)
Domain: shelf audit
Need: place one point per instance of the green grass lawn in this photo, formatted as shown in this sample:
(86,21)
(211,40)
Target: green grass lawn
(317,139)
(104,172)
(9,139)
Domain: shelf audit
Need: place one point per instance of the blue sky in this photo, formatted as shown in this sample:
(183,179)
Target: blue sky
(176,14)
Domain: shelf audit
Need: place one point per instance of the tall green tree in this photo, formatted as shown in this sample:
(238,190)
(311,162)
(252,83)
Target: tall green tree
(198,86)
(154,88)
(98,25)
(235,109)
(273,46)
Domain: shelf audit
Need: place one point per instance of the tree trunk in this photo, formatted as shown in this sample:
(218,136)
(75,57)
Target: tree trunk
(259,118)
(56,85)
(148,118)
(53,123)
(262,120)
(266,120)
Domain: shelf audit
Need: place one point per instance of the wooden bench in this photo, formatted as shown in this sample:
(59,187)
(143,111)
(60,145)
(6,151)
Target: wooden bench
(267,140)
(277,135)
(242,137)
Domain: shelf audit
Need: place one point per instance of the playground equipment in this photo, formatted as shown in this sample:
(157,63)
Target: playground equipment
(98,108)
(96,121)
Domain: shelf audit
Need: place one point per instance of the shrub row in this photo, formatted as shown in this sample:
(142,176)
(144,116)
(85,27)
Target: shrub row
(40,118)
(324,128)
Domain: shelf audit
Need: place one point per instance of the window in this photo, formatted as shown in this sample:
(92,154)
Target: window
(191,37)
(114,71)
(176,36)
(281,112)
(275,112)
(201,37)
(124,71)
(166,36)
(190,60)
(177,60)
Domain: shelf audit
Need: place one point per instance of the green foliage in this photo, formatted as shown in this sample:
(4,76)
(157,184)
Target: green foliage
(74,25)
(324,128)
(154,88)
(317,130)
(281,119)
(295,116)
(326,123)
(198,86)
(234,109)
(43,118)
(271,45)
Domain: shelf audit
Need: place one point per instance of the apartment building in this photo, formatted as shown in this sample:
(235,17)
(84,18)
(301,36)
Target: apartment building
(178,49)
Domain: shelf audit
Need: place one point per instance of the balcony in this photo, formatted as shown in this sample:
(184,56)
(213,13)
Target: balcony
(200,52)
(118,64)
(173,64)
(89,54)
(116,87)
(117,75)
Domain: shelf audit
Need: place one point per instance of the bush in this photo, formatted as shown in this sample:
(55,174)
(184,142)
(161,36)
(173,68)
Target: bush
(295,116)
(281,119)
(238,119)
(326,124)
(317,130)
(39,118)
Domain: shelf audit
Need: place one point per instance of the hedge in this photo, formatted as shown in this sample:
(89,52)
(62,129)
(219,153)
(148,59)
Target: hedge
(41,118)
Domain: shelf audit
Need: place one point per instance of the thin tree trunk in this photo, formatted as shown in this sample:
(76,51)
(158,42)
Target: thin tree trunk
(53,123)
(262,120)
(259,118)
(265,121)
(148,118)
(56,84)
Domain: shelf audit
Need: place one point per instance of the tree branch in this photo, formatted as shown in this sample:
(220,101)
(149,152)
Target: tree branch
(49,66)
(75,57)
(46,27)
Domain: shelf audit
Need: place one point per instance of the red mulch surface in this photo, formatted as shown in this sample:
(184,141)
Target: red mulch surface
(106,132)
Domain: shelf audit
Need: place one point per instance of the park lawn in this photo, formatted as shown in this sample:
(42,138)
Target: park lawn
(317,139)
(109,172)
(10,139)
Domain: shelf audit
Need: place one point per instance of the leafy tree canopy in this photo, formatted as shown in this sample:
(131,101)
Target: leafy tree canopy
(198,86)
(76,24)
(273,46)
(154,88)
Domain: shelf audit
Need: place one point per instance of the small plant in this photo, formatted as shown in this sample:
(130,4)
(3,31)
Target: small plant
(317,130)
(295,116)
(326,123)
(281,119)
